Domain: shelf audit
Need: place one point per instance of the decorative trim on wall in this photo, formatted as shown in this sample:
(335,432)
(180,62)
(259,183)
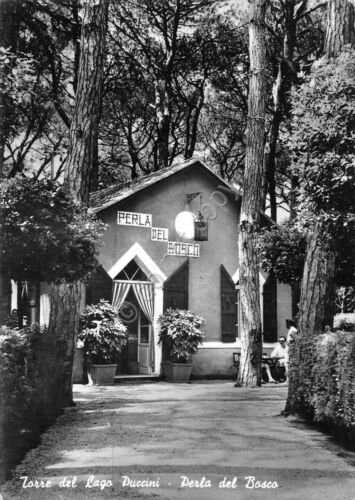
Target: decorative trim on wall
(147,264)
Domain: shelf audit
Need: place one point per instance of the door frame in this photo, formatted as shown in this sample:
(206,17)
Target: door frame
(157,278)
(141,346)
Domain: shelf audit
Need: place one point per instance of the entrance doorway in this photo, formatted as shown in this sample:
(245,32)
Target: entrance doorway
(135,356)
(134,298)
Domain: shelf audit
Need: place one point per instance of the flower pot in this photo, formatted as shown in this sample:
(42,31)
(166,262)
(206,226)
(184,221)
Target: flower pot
(177,372)
(101,374)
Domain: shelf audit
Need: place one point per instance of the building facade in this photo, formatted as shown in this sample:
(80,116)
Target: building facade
(155,256)
(158,253)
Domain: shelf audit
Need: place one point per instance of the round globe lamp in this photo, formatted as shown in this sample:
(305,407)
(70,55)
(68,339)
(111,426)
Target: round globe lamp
(185,225)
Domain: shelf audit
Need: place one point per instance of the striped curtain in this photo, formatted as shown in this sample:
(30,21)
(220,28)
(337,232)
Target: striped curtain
(120,291)
(144,294)
(145,297)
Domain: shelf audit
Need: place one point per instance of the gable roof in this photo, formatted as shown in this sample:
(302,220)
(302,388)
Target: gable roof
(99,200)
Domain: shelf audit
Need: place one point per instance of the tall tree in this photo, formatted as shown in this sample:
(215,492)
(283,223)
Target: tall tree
(169,52)
(40,86)
(251,331)
(295,36)
(317,289)
(65,298)
(282,83)
(327,182)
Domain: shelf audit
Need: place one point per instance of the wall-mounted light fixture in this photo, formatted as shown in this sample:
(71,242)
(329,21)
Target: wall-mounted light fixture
(201,228)
(184,221)
(184,225)
(188,225)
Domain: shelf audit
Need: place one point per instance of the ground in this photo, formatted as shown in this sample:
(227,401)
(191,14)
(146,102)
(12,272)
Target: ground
(203,440)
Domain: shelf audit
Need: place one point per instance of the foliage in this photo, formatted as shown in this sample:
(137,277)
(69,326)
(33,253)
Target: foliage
(282,250)
(17,83)
(326,380)
(27,383)
(323,147)
(37,85)
(164,59)
(201,50)
(16,377)
(46,235)
(180,334)
(12,321)
(342,319)
(102,333)
(345,299)
(345,322)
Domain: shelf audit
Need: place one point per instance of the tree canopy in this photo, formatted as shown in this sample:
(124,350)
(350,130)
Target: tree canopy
(46,236)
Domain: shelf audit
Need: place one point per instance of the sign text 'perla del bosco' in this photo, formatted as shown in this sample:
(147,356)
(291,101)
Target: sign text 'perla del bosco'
(180,249)
(159,234)
(134,219)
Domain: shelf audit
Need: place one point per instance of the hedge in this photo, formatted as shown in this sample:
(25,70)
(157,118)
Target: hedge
(28,393)
(325,387)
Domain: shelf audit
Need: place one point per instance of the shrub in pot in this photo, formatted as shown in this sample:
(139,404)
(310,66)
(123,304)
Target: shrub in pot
(180,335)
(103,335)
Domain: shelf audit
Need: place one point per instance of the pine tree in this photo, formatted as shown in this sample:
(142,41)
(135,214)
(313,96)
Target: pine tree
(66,298)
(251,334)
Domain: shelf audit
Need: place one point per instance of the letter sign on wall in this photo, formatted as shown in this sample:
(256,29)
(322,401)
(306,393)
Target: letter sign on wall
(134,219)
(159,234)
(183,249)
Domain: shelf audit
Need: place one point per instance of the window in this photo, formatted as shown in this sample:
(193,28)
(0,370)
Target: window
(132,272)
(176,288)
(99,287)
(144,327)
(229,307)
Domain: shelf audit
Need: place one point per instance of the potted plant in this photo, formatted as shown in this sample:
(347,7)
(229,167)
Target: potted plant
(180,335)
(103,335)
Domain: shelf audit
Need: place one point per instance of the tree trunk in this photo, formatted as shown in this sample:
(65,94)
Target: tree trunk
(295,299)
(251,334)
(94,174)
(66,298)
(64,322)
(281,101)
(340,27)
(270,160)
(316,307)
(84,124)
(163,122)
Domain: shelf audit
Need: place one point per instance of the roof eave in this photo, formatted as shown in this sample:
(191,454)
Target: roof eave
(168,173)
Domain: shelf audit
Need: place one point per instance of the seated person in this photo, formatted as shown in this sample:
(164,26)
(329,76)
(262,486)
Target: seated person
(268,371)
(281,352)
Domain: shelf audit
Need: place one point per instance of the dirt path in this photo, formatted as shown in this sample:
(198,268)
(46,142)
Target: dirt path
(204,440)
